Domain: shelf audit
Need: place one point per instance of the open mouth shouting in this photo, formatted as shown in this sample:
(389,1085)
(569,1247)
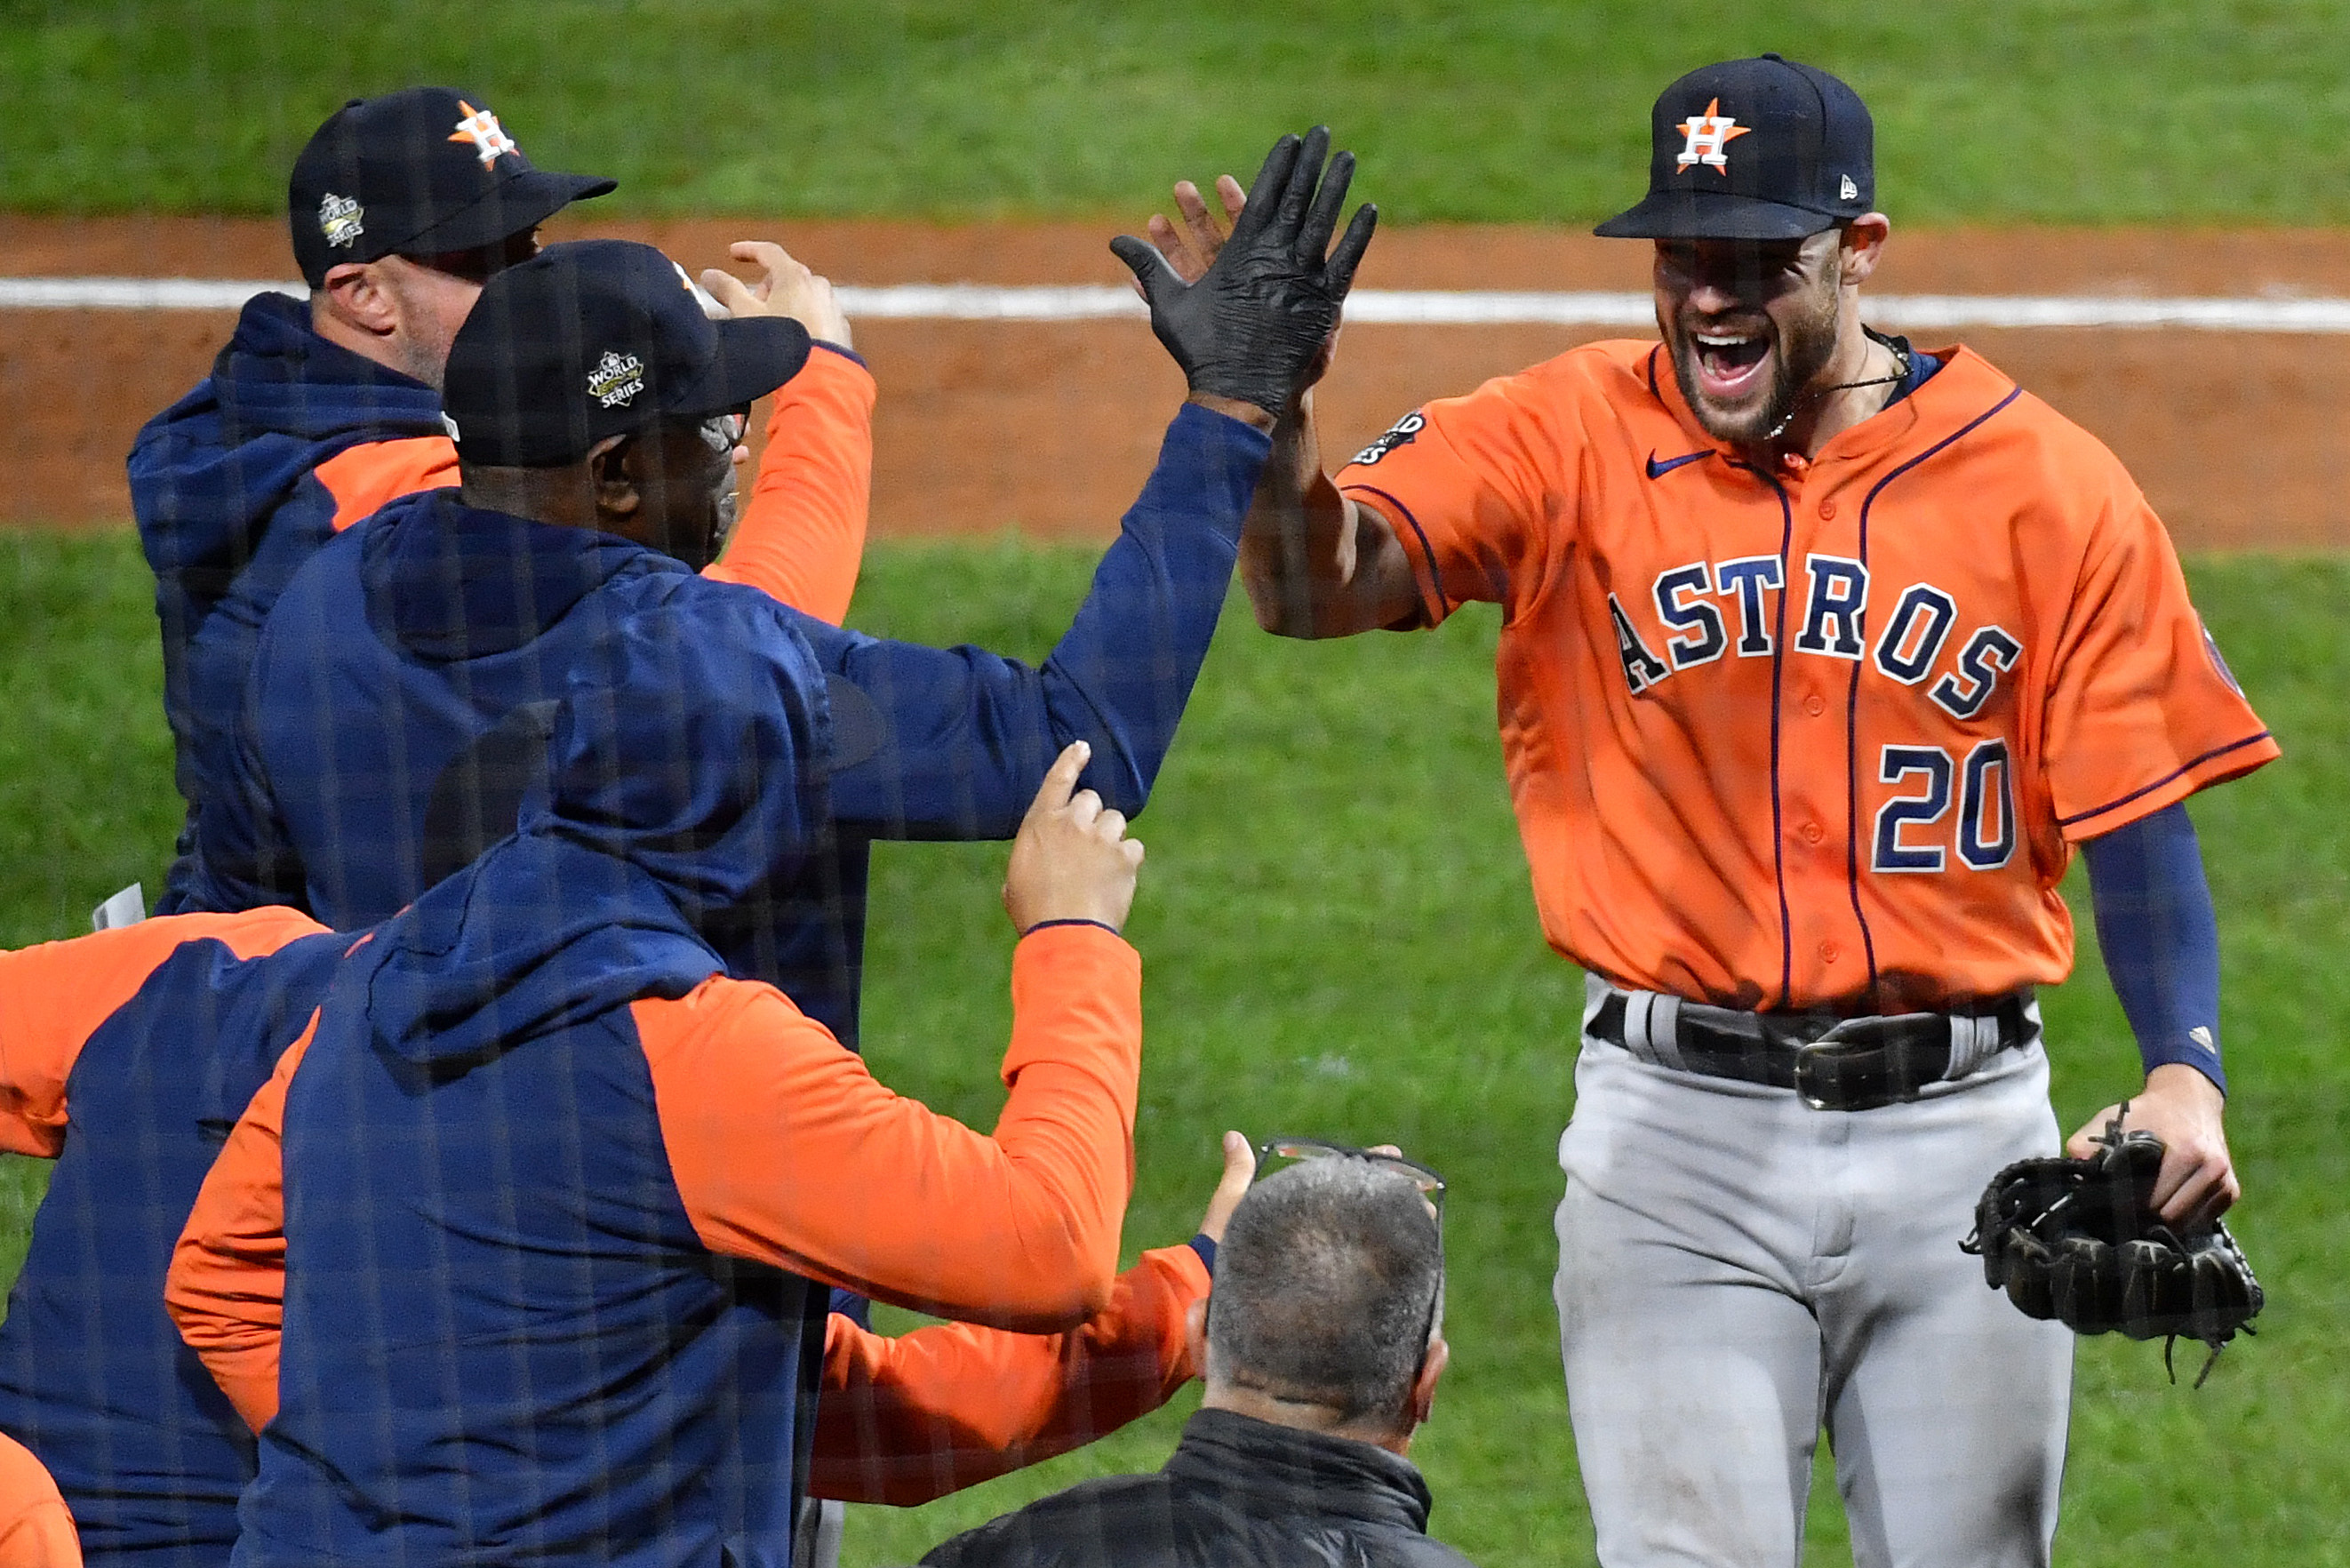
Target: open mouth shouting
(1731,366)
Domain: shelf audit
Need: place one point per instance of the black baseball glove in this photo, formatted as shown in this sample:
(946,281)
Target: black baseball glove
(2078,1241)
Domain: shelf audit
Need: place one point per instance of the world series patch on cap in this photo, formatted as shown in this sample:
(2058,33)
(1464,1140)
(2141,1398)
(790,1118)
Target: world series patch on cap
(1754,149)
(597,337)
(426,170)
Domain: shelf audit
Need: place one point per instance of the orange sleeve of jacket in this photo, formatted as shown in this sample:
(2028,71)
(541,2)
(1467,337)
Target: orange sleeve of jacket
(36,1528)
(53,998)
(802,534)
(226,1288)
(906,1420)
(365,478)
(786,1150)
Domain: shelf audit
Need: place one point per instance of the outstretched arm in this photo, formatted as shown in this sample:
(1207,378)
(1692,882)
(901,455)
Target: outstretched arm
(1315,563)
(802,534)
(907,1419)
(786,1150)
(950,744)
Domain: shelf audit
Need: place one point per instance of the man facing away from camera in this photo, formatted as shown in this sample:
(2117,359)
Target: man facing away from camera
(1323,1340)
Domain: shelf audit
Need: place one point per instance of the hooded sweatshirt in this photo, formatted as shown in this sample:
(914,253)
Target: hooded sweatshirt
(126,1056)
(292,439)
(397,718)
(237,484)
(558,1196)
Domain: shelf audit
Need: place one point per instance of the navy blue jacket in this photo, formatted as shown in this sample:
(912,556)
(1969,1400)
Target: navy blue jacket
(505,1341)
(397,718)
(227,489)
(93,1376)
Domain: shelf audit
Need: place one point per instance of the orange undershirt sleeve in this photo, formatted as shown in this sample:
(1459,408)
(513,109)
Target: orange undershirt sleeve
(36,1528)
(785,1149)
(907,1419)
(802,534)
(53,998)
(362,479)
(226,1288)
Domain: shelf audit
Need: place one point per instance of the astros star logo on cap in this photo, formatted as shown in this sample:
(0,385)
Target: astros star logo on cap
(1707,134)
(480,128)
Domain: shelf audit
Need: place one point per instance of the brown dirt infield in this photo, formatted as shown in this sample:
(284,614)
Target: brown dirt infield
(1048,428)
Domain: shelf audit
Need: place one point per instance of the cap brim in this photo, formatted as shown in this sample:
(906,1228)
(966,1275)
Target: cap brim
(520,204)
(1708,215)
(756,354)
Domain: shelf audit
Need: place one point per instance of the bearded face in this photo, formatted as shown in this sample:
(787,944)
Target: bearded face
(1750,325)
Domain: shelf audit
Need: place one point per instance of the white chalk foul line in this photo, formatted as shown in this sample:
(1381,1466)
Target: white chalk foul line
(1422,307)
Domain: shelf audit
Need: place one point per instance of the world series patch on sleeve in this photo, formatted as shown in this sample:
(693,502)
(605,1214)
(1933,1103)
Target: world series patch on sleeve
(2078,1241)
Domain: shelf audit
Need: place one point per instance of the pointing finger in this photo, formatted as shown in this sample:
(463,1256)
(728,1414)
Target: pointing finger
(731,292)
(1060,779)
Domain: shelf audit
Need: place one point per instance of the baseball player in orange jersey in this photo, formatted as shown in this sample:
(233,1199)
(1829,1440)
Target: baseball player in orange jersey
(1820,655)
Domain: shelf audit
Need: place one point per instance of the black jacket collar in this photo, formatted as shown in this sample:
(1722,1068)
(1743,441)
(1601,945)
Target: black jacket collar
(1300,1472)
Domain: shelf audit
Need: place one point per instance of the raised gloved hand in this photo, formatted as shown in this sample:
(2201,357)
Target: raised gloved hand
(1251,327)
(2077,1241)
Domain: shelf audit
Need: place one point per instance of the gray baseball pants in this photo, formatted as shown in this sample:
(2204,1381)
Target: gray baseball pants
(1737,1271)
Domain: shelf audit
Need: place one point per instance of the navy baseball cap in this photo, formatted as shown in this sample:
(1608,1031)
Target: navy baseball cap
(422,171)
(1754,149)
(594,338)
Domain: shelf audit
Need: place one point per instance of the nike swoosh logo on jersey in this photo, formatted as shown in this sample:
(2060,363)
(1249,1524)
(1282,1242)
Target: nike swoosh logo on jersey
(1659,470)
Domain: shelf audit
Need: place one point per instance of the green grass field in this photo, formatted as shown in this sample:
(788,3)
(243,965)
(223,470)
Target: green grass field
(1339,939)
(2050,110)
(1334,916)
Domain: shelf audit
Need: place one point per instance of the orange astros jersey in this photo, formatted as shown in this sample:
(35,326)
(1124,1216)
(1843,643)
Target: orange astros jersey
(1821,737)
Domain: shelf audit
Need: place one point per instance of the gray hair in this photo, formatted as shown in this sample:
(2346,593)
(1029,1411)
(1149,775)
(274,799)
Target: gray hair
(1328,1282)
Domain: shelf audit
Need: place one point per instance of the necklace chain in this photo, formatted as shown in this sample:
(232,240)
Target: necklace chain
(1795,404)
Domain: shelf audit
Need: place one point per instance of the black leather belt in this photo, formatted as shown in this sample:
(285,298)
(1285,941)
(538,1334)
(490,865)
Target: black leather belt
(1835,1063)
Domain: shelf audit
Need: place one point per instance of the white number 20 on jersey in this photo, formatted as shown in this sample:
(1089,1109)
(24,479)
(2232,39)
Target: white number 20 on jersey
(1909,837)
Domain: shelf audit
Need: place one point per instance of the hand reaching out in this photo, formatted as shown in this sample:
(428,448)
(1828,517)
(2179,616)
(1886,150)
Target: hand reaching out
(1072,860)
(786,288)
(1240,1170)
(1257,318)
(1193,250)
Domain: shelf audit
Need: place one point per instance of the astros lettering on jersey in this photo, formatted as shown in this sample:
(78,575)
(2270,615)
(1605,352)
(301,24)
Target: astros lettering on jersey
(1854,712)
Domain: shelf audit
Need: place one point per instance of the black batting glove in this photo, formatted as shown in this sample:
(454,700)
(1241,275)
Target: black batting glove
(1251,326)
